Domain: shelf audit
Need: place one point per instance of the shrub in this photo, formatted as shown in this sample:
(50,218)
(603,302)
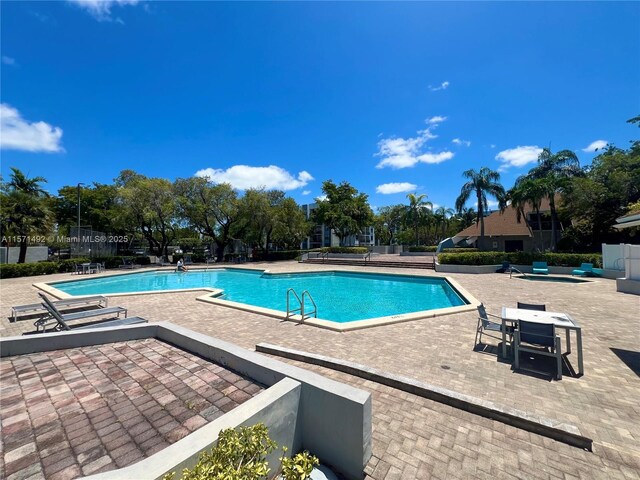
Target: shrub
(423,248)
(70,265)
(299,466)
(520,258)
(460,250)
(356,250)
(275,256)
(242,455)
(14,270)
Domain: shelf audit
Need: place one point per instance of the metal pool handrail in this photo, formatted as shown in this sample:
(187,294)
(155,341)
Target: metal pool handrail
(514,268)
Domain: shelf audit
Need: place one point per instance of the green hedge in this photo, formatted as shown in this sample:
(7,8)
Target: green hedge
(358,250)
(277,255)
(15,270)
(459,250)
(520,258)
(423,248)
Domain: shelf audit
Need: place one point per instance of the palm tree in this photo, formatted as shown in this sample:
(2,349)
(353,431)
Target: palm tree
(556,169)
(24,211)
(442,215)
(529,191)
(416,211)
(482,182)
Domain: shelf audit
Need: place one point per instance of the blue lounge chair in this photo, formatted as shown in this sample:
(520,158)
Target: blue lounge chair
(585,270)
(540,267)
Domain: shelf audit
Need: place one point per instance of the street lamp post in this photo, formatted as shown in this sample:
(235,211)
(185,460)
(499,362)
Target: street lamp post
(78,231)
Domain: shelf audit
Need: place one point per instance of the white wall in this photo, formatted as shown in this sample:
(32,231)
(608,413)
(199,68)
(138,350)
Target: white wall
(613,256)
(34,254)
(632,262)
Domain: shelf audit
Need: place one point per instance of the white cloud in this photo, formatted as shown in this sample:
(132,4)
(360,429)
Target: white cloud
(435,120)
(493,204)
(493,145)
(389,188)
(443,86)
(17,133)
(518,157)
(321,198)
(406,152)
(101,9)
(306,192)
(597,145)
(458,141)
(8,60)
(242,177)
(435,157)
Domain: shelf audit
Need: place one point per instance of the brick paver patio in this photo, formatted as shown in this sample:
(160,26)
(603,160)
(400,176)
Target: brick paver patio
(69,413)
(413,432)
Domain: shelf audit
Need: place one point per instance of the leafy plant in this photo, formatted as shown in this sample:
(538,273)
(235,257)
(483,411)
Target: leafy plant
(298,467)
(242,455)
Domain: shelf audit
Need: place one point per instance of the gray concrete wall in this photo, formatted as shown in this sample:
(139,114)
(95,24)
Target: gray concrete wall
(334,419)
(276,407)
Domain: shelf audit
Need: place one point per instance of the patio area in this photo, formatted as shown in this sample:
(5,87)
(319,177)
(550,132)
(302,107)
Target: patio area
(413,436)
(76,412)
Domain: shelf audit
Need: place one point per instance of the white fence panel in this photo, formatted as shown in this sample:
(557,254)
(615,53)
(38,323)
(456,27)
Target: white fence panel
(632,262)
(613,257)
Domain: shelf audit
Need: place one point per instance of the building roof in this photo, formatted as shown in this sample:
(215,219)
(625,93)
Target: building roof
(504,223)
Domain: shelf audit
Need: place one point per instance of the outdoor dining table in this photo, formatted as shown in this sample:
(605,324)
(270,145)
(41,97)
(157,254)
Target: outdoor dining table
(562,320)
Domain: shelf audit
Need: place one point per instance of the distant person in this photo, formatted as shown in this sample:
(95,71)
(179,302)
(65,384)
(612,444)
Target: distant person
(181,266)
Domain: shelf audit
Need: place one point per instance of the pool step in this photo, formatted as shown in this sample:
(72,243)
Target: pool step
(374,263)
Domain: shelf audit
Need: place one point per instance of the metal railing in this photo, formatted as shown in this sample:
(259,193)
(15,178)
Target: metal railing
(511,269)
(315,307)
(300,309)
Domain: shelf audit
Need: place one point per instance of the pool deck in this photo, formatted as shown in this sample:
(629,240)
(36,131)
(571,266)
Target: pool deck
(81,411)
(418,438)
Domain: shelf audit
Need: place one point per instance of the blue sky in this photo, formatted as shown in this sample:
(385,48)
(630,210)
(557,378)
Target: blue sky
(392,97)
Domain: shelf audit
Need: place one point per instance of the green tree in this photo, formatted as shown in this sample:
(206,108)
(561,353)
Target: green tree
(417,212)
(291,225)
(442,216)
(529,192)
(24,211)
(481,182)
(345,210)
(389,222)
(610,184)
(212,209)
(99,208)
(149,204)
(557,169)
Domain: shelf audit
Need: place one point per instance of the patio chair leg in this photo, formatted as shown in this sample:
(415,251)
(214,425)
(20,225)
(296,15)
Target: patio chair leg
(478,332)
(559,358)
(568,341)
(516,351)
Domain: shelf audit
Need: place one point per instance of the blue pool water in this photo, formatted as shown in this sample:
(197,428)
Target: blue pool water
(340,296)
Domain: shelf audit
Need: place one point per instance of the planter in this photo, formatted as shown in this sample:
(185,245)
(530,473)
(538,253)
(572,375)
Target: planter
(418,254)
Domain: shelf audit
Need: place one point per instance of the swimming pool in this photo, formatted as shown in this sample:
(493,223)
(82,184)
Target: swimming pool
(341,297)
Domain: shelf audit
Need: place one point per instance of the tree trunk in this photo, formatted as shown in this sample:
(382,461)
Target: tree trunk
(481,215)
(554,226)
(540,230)
(22,256)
